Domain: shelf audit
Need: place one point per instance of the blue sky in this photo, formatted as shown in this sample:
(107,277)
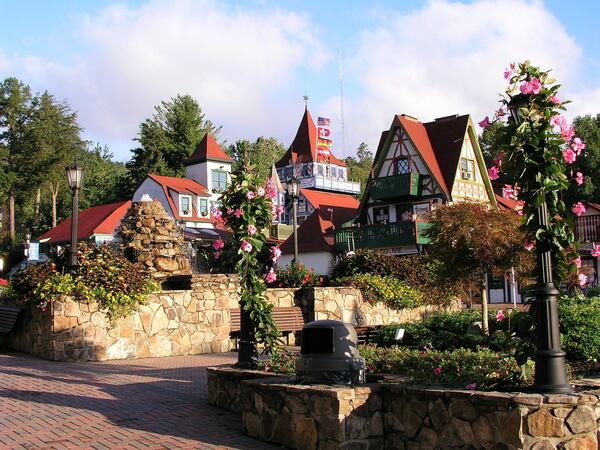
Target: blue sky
(249,63)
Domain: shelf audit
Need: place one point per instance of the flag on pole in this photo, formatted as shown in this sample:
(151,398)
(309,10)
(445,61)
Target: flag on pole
(323,121)
(324,132)
(326,143)
(323,152)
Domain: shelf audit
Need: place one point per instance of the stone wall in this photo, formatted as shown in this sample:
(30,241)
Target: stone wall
(394,416)
(171,323)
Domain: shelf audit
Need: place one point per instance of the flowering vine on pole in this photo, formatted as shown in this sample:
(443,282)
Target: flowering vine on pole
(248,209)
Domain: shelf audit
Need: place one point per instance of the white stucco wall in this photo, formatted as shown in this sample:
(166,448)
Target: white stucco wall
(320,262)
(202,173)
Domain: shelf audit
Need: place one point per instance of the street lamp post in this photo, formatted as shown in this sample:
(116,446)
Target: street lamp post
(75,179)
(293,189)
(550,369)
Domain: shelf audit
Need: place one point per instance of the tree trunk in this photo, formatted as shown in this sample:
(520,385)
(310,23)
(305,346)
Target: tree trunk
(38,200)
(54,193)
(484,307)
(11,218)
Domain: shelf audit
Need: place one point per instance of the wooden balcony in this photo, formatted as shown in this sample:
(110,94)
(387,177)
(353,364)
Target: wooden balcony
(381,236)
(587,228)
(397,186)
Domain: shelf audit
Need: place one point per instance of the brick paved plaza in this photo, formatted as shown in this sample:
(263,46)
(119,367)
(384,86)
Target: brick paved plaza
(144,403)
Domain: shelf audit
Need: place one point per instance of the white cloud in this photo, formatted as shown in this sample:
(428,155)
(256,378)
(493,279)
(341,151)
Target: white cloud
(239,64)
(448,58)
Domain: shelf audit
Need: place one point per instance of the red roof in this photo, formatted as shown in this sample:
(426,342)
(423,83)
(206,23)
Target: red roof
(316,234)
(181,186)
(304,145)
(101,219)
(208,149)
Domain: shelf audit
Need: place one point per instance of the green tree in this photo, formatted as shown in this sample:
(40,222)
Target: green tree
(261,155)
(359,169)
(471,242)
(166,140)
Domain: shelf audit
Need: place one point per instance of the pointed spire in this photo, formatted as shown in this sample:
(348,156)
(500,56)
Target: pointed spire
(208,150)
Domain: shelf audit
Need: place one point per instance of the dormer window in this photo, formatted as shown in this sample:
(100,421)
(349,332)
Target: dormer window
(467,169)
(185,205)
(218,180)
(402,166)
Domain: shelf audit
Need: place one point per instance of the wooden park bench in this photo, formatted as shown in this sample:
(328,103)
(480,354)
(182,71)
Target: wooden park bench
(289,320)
(366,333)
(8,318)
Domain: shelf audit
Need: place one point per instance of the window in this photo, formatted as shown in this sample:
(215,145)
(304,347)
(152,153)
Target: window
(203,207)
(467,169)
(185,205)
(402,166)
(381,215)
(307,170)
(301,205)
(334,172)
(320,170)
(288,173)
(342,174)
(218,180)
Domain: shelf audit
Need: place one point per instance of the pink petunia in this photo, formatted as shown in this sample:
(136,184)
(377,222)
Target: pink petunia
(577,145)
(472,386)
(251,230)
(246,246)
(578,209)
(218,244)
(577,262)
(217,216)
(536,85)
(582,279)
(500,315)
(525,88)
(437,371)
(229,211)
(557,121)
(507,74)
(529,246)
(554,99)
(579,179)
(275,253)
(494,173)
(596,251)
(271,276)
(237,213)
(485,122)
(569,155)
(567,132)
(261,192)
(217,255)
(508,191)
(250,195)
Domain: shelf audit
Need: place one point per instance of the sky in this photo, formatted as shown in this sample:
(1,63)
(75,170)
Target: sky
(249,63)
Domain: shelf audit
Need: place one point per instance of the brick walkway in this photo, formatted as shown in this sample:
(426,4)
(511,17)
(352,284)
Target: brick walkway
(145,403)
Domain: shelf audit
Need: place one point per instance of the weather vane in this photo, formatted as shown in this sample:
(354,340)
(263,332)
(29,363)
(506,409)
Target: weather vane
(305,98)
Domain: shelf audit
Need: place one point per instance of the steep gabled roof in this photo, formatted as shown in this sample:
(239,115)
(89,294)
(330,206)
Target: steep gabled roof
(446,136)
(181,186)
(304,145)
(207,150)
(101,219)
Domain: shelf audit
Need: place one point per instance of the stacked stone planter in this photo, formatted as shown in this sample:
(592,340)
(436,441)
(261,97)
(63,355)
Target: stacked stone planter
(149,236)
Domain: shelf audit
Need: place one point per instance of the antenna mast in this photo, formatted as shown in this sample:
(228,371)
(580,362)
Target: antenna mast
(342,103)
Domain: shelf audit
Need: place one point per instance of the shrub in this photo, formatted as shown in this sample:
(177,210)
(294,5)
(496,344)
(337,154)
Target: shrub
(365,261)
(280,362)
(297,275)
(390,291)
(104,276)
(579,325)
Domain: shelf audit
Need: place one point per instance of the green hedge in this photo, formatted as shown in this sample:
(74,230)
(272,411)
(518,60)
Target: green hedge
(390,291)
(580,327)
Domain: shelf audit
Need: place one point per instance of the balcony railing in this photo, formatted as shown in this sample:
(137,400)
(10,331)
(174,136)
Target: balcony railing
(406,184)
(587,228)
(381,236)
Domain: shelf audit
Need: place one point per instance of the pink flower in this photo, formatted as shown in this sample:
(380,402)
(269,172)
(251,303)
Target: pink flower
(536,86)
(246,246)
(500,315)
(217,255)
(271,277)
(554,99)
(577,262)
(508,191)
(251,230)
(250,195)
(569,156)
(520,213)
(437,371)
(229,211)
(557,121)
(280,209)
(596,251)
(567,132)
(500,112)
(237,213)
(578,209)
(507,74)
(498,159)
(582,279)
(494,172)
(472,386)
(217,216)
(485,122)
(218,244)
(261,191)
(529,246)
(525,88)
(275,253)
(579,178)
(577,145)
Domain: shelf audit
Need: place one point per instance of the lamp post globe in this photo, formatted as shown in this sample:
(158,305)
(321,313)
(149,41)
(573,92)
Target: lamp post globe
(550,368)
(75,180)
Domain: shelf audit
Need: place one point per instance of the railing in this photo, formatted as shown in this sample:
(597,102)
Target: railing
(330,184)
(381,236)
(406,184)
(587,228)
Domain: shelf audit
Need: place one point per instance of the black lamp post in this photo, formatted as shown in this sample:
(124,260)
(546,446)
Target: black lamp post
(293,189)
(550,368)
(75,179)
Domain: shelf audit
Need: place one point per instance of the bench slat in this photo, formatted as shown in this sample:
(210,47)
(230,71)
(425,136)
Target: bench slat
(287,319)
(8,318)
